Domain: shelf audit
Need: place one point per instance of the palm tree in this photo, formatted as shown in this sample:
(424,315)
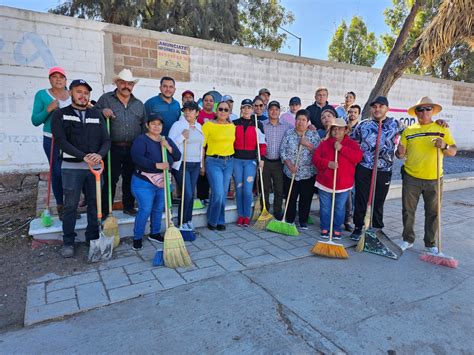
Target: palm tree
(453,23)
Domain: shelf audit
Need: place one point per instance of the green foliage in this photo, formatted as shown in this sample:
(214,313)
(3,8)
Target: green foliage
(354,44)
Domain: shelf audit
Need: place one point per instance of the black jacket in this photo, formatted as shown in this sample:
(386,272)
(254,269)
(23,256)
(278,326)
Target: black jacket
(315,114)
(76,139)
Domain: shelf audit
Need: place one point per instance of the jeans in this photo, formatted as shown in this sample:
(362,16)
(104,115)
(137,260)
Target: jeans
(56,178)
(325,201)
(244,176)
(73,182)
(218,172)
(192,174)
(121,164)
(151,202)
(304,189)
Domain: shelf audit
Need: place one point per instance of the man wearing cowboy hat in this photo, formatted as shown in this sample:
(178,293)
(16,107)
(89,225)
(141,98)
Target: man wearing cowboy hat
(127,121)
(418,146)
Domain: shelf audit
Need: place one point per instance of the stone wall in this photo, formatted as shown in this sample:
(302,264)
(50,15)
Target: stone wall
(32,42)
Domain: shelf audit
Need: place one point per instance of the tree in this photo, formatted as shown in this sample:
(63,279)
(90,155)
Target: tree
(354,45)
(455,64)
(453,24)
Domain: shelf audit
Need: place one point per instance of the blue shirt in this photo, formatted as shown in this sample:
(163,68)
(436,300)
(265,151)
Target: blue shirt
(170,112)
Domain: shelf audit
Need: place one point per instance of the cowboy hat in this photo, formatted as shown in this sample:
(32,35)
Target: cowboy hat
(339,122)
(425,101)
(125,75)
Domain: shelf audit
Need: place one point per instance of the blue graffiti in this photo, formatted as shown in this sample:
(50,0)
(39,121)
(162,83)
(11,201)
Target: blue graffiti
(42,51)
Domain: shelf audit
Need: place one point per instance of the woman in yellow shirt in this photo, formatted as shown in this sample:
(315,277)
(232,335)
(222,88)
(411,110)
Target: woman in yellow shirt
(219,136)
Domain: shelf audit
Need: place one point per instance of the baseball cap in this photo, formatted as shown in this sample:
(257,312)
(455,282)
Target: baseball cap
(264,91)
(295,101)
(152,118)
(274,103)
(79,82)
(191,105)
(57,70)
(382,100)
(187,92)
(246,102)
(227,98)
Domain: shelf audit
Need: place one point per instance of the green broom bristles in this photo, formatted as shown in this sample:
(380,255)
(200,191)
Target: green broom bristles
(46,219)
(263,220)
(310,220)
(174,251)
(282,227)
(197,204)
(330,250)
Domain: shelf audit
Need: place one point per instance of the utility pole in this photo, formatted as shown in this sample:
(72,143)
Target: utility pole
(298,38)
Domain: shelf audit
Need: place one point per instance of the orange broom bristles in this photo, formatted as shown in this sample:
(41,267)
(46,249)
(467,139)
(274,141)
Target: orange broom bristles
(330,249)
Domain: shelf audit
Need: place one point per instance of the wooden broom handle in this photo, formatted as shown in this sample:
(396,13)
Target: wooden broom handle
(438,196)
(262,191)
(291,183)
(333,201)
(183,187)
(167,216)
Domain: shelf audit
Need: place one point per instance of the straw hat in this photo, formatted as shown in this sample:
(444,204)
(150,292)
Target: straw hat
(339,122)
(125,75)
(425,101)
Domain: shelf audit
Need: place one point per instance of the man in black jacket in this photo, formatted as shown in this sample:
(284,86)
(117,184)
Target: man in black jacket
(81,134)
(319,106)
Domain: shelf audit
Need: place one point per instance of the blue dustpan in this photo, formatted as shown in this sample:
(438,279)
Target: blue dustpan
(188,234)
(158,259)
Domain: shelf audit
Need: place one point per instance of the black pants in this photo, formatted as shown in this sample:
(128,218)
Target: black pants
(304,190)
(120,164)
(202,188)
(363,177)
(273,180)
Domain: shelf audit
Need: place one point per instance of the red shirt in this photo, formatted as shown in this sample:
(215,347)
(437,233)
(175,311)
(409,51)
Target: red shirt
(203,116)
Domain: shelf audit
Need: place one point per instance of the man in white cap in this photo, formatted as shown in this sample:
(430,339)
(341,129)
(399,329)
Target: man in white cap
(230,101)
(418,146)
(127,120)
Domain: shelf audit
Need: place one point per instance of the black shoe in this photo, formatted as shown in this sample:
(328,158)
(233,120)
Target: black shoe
(137,244)
(220,227)
(130,211)
(355,236)
(210,227)
(348,227)
(157,238)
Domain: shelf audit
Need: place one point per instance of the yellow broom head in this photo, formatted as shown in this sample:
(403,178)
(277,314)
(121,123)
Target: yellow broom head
(330,250)
(257,209)
(361,243)
(174,251)
(263,220)
(111,230)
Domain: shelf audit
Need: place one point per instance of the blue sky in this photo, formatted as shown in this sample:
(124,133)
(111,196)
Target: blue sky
(315,21)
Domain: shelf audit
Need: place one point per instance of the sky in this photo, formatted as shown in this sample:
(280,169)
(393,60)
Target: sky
(315,21)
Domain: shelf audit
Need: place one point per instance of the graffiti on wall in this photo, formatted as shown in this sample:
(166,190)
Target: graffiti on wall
(29,49)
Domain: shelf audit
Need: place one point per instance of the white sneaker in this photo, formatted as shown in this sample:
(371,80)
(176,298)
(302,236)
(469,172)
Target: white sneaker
(405,245)
(432,250)
(190,225)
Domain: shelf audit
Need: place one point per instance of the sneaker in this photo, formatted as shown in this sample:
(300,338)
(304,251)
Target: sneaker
(303,226)
(325,234)
(137,244)
(67,251)
(220,227)
(240,221)
(337,236)
(246,222)
(190,225)
(130,211)
(405,245)
(432,250)
(157,238)
(348,227)
(355,236)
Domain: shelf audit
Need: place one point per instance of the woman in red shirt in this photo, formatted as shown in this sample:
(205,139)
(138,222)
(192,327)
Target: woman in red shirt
(207,113)
(349,155)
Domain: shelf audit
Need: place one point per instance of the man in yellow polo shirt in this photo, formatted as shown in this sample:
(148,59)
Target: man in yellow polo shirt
(418,146)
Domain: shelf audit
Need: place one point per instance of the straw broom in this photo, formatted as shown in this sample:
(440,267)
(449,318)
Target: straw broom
(330,248)
(440,258)
(174,251)
(265,217)
(257,206)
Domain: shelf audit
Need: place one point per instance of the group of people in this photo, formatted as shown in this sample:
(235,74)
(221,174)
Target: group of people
(321,149)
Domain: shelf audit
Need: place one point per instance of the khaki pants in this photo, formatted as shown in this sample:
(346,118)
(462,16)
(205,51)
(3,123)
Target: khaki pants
(411,190)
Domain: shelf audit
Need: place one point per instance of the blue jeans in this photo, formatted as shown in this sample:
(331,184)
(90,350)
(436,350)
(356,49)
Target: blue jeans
(151,202)
(56,178)
(244,176)
(218,172)
(192,174)
(325,200)
(73,182)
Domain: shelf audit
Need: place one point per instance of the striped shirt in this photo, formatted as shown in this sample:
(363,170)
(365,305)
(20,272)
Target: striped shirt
(273,137)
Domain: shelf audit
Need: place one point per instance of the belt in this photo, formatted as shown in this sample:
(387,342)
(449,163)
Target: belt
(273,160)
(225,157)
(122,144)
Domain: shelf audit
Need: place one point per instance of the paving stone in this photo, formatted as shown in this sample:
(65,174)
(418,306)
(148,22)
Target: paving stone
(35,295)
(278,252)
(191,248)
(50,311)
(208,253)
(203,244)
(48,277)
(61,295)
(202,263)
(201,274)
(268,235)
(256,251)
(71,281)
(143,266)
(229,241)
(147,253)
(114,278)
(188,268)
(134,290)
(120,262)
(236,252)
(141,276)
(301,251)
(254,244)
(259,260)
(228,263)
(283,244)
(299,243)
(168,277)
(91,295)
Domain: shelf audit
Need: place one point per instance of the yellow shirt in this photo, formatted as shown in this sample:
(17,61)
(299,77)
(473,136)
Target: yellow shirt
(219,138)
(420,152)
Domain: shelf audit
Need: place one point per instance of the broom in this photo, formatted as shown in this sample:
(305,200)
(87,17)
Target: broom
(440,258)
(111,229)
(265,217)
(174,251)
(371,200)
(188,234)
(330,248)
(282,226)
(257,206)
(46,219)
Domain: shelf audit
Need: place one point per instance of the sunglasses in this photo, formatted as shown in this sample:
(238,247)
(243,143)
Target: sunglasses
(222,109)
(421,109)
(261,105)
